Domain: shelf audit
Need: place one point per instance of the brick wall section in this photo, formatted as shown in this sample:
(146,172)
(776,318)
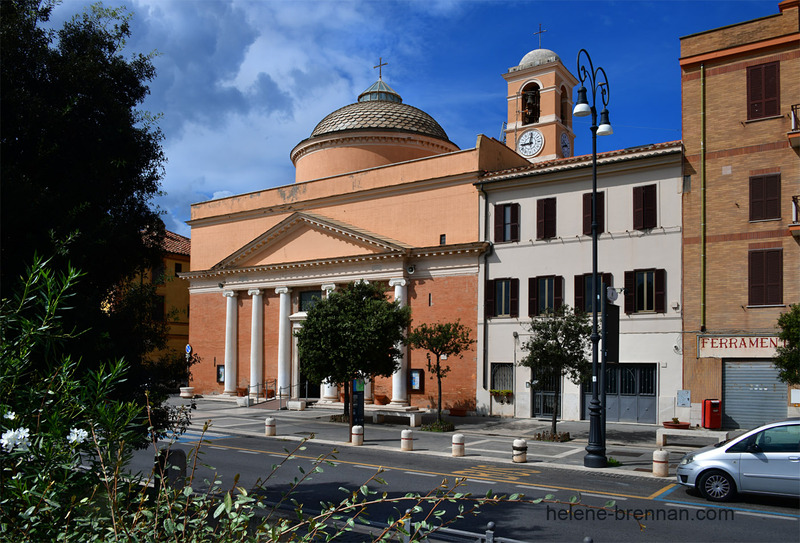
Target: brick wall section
(451,298)
(736,149)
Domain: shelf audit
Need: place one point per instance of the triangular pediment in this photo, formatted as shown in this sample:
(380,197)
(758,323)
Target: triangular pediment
(303,237)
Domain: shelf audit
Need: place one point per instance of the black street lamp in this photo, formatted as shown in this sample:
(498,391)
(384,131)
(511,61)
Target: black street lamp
(596,449)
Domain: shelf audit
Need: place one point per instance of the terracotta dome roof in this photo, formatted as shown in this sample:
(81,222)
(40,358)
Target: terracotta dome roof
(380,108)
(381,115)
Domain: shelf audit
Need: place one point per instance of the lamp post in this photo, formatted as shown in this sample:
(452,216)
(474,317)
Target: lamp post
(596,449)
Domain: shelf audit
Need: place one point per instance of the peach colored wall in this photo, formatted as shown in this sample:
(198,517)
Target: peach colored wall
(365,153)
(395,201)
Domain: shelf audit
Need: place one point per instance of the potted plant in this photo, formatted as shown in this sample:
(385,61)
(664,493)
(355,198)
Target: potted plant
(502,396)
(676,424)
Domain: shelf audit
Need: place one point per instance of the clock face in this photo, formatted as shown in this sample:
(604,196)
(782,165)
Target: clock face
(530,143)
(566,151)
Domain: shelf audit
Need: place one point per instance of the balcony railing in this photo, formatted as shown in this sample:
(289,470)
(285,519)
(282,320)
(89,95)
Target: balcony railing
(795,117)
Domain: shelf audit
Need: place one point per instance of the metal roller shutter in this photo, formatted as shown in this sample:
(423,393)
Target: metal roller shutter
(752,395)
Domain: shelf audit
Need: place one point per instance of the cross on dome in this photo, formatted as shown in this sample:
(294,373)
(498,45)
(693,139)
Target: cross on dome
(380,66)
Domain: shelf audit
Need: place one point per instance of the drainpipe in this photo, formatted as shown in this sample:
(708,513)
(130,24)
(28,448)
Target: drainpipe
(486,254)
(702,198)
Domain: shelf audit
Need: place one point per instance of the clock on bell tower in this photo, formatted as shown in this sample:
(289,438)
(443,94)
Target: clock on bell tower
(539,125)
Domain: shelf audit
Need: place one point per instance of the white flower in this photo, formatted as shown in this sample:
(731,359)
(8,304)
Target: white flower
(77,436)
(19,438)
(10,415)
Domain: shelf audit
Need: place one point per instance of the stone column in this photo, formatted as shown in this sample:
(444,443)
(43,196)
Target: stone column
(297,393)
(284,343)
(257,342)
(400,377)
(330,391)
(231,341)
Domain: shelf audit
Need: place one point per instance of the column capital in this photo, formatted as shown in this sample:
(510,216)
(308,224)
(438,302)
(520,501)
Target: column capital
(329,287)
(229,293)
(398,282)
(254,291)
(282,290)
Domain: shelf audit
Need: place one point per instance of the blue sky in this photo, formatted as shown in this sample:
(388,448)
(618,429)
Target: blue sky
(240,83)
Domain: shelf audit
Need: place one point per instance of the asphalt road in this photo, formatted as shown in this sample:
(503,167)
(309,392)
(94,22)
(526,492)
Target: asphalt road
(667,512)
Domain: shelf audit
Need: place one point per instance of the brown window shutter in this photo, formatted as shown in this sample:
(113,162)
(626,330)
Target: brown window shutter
(771,89)
(587,214)
(638,208)
(630,292)
(558,292)
(773,274)
(540,219)
(772,196)
(550,218)
(650,219)
(580,301)
(608,279)
(499,223)
(757,198)
(756,277)
(489,301)
(755,96)
(661,291)
(514,222)
(533,297)
(514,298)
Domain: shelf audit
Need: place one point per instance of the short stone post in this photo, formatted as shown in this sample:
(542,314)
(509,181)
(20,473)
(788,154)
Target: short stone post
(407,440)
(269,427)
(458,444)
(661,463)
(357,435)
(519,451)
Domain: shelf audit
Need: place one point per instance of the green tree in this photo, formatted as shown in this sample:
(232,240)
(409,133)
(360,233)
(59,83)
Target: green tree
(558,347)
(787,358)
(353,333)
(442,339)
(79,161)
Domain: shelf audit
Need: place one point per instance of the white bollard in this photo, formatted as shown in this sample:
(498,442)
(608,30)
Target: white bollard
(519,451)
(269,427)
(458,444)
(661,463)
(357,435)
(407,440)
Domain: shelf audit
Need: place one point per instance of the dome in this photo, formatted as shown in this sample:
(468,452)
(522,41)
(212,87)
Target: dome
(380,115)
(380,108)
(537,57)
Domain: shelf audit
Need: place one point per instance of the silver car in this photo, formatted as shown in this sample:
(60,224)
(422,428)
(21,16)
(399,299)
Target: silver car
(763,461)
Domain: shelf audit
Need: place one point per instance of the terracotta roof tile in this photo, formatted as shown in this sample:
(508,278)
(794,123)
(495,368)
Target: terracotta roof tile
(177,244)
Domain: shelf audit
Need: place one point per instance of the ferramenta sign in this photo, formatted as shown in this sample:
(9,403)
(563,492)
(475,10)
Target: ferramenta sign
(737,346)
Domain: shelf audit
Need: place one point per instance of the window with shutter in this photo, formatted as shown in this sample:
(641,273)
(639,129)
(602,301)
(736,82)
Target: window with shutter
(763,90)
(587,213)
(645,291)
(502,298)
(765,196)
(545,293)
(765,277)
(644,207)
(546,218)
(583,289)
(506,222)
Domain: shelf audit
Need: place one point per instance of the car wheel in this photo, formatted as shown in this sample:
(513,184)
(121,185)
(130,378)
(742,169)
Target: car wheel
(716,486)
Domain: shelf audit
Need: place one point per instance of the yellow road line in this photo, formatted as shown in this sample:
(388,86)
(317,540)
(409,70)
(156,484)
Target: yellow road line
(657,493)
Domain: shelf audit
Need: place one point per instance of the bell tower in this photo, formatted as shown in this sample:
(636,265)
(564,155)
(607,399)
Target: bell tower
(539,125)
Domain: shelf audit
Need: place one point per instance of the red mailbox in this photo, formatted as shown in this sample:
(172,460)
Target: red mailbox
(712,414)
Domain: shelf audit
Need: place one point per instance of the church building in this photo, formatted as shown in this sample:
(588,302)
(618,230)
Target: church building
(381,194)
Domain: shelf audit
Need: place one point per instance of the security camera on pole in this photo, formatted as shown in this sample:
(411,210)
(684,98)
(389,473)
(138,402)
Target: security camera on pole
(596,449)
